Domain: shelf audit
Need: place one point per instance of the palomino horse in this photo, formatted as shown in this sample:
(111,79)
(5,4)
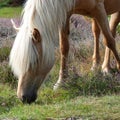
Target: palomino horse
(32,54)
(115,19)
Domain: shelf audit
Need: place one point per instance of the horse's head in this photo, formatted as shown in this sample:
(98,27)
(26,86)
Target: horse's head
(31,63)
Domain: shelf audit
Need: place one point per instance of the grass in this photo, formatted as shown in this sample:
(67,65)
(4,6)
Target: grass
(4,53)
(80,107)
(85,107)
(89,96)
(57,105)
(8,12)
(4,3)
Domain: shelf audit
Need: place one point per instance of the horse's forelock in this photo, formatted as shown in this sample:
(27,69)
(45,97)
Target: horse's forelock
(47,16)
(24,53)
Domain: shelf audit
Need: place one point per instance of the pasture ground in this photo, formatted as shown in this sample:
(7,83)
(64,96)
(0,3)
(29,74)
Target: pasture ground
(86,96)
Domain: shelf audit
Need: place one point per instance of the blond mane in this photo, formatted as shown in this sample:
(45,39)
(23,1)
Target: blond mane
(48,16)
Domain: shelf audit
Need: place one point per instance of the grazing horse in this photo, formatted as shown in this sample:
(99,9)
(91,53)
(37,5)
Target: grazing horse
(115,19)
(44,21)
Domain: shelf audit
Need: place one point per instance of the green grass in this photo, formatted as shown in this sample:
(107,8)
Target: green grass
(4,53)
(9,12)
(88,108)
(4,3)
(89,96)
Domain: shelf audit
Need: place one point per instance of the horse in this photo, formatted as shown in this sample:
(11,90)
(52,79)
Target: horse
(43,22)
(114,21)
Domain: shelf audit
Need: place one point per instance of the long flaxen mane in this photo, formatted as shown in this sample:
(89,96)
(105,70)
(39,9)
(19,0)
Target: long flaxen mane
(48,16)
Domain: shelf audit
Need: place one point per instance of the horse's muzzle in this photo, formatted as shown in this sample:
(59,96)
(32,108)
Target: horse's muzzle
(28,98)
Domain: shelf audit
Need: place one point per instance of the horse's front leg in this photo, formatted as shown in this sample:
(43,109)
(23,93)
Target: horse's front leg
(96,54)
(64,50)
(115,19)
(100,15)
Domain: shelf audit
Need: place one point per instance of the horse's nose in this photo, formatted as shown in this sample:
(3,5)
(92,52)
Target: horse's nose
(29,98)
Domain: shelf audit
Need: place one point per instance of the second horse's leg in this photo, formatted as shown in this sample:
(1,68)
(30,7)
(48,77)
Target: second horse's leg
(101,17)
(115,19)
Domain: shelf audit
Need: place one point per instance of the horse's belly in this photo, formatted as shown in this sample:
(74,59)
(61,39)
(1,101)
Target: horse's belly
(84,7)
(112,6)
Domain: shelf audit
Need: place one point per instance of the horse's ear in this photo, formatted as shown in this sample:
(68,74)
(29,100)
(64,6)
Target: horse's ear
(36,36)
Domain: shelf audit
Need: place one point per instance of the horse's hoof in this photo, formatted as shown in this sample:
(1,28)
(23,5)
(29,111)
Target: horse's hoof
(56,86)
(95,68)
(59,83)
(118,67)
(106,71)
(92,68)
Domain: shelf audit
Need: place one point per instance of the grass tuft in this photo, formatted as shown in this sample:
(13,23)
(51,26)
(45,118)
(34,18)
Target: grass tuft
(6,76)
(4,53)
